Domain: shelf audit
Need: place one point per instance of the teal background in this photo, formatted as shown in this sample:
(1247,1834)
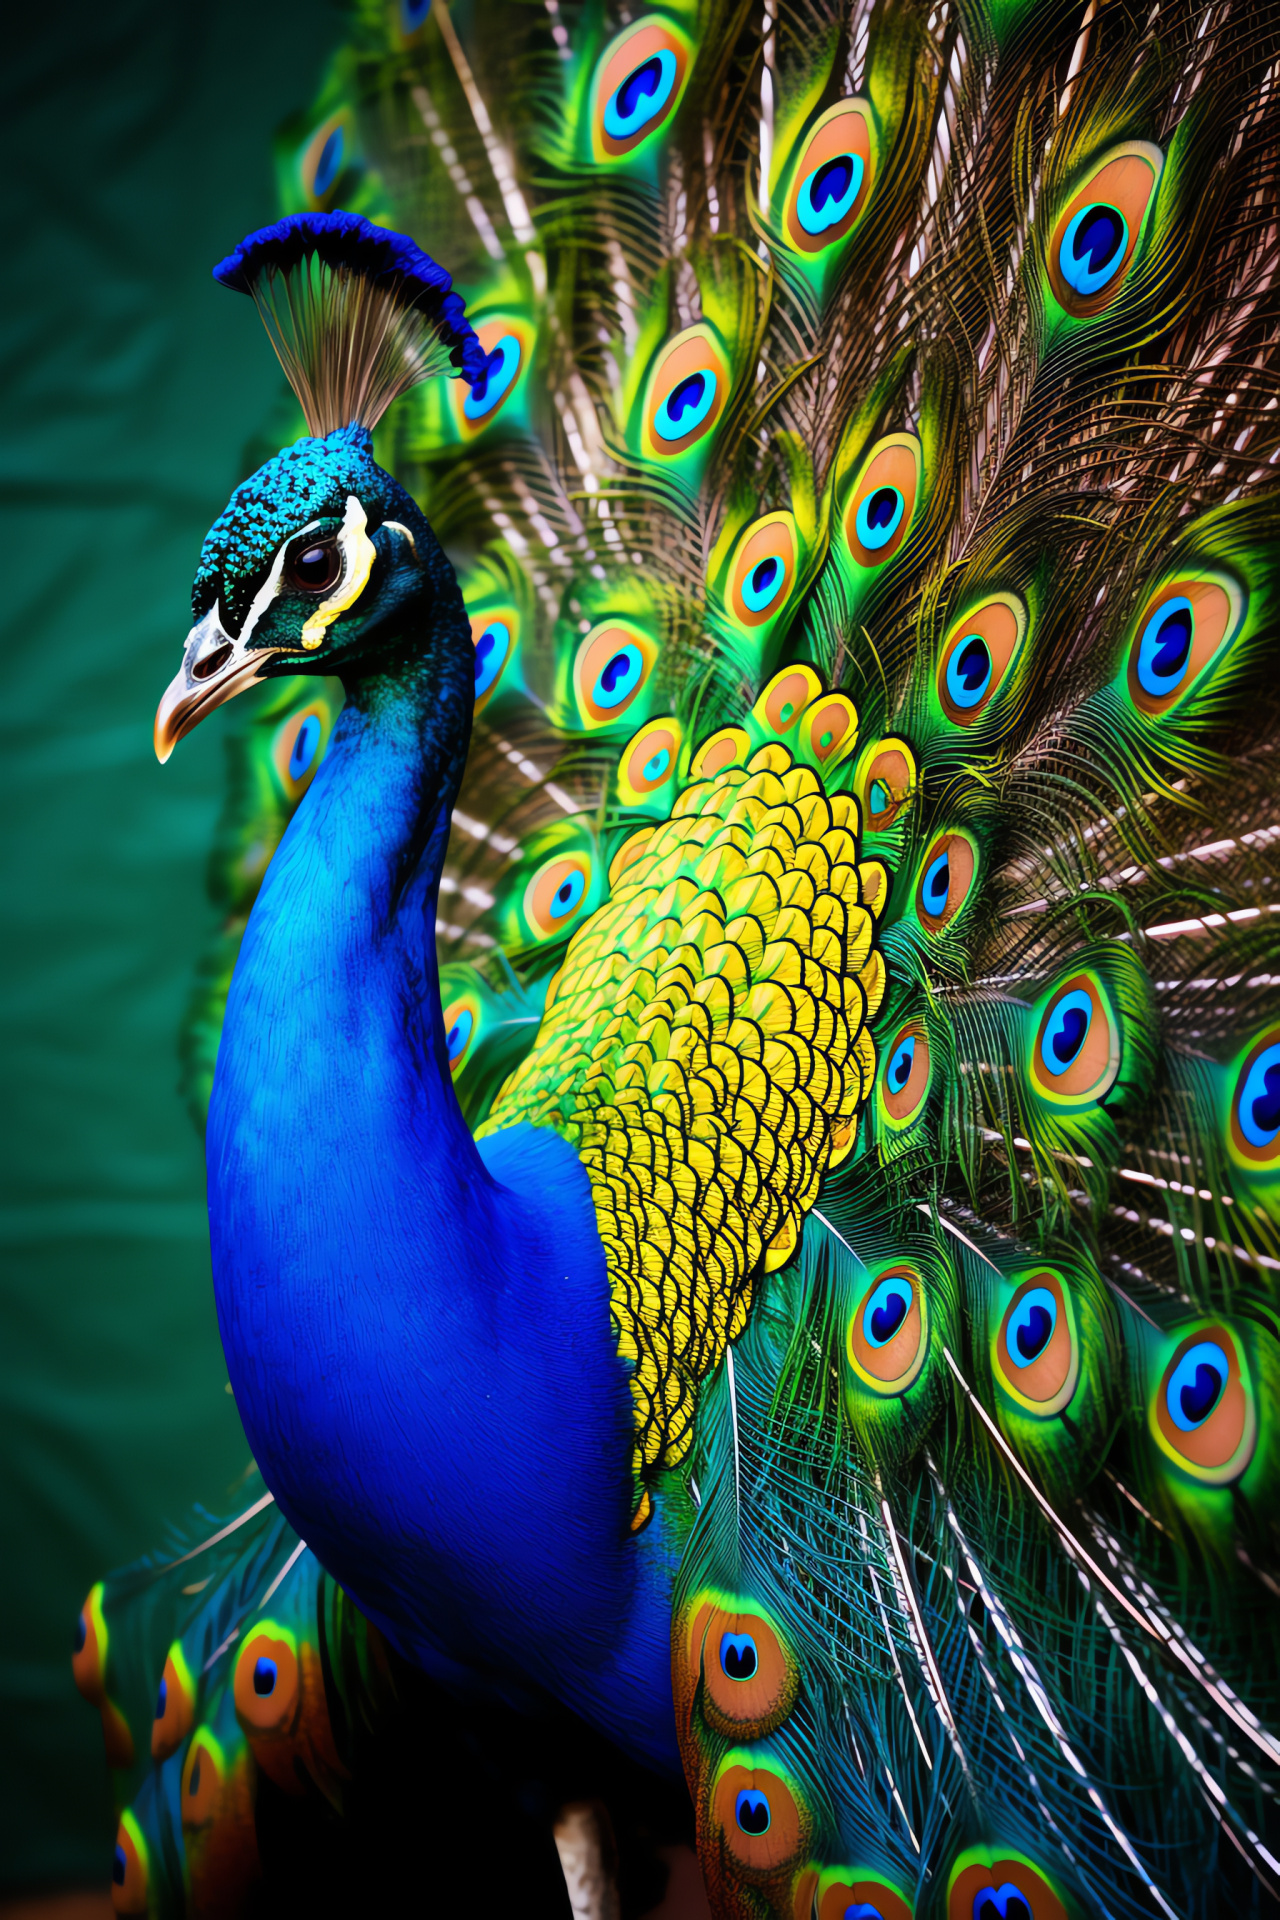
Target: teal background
(137,142)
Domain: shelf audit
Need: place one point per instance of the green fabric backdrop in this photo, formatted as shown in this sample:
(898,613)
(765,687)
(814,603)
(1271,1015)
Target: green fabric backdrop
(138,151)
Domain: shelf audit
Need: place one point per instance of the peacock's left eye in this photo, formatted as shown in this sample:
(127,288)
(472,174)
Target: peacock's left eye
(886,1341)
(880,509)
(1096,234)
(638,87)
(610,670)
(1203,1407)
(946,880)
(1255,1107)
(316,567)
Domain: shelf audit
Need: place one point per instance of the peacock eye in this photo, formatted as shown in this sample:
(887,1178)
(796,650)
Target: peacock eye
(763,571)
(317,567)
(555,893)
(268,1680)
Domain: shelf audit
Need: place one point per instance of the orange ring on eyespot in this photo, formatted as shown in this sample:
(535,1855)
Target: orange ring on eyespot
(1217,1448)
(268,1680)
(299,747)
(131,1869)
(762,1824)
(176,1705)
(843,1887)
(203,1773)
(763,570)
(785,698)
(1122,184)
(906,1076)
(990,1871)
(688,390)
(556,893)
(649,761)
(1035,1352)
(886,783)
(652,44)
(325,158)
(727,748)
(89,1658)
(843,132)
(945,881)
(976,656)
(512,340)
(501,625)
(1183,626)
(882,505)
(616,647)
(886,1343)
(1066,1023)
(829,728)
(461,1025)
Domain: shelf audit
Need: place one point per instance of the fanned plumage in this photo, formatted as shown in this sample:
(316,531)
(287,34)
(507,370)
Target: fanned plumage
(866,516)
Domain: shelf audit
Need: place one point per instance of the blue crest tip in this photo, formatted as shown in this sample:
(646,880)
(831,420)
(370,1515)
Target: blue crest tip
(349,240)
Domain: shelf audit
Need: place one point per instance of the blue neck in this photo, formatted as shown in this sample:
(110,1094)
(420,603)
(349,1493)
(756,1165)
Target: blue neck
(417,1329)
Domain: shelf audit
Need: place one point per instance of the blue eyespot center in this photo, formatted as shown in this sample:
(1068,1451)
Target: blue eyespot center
(886,1310)
(1164,651)
(80,1634)
(1196,1385)
(619,678)
(568,894)
(686,406)
(305,746)
(1065,1031)
(898,1071)
(655,767)
(878,797)
(500,370)
(752,1811)
(459,1033)
(879,517)
(1031,1326)
(1258,1107)
(1093,247)
(935,888)
(491,652)
(119,1866)
(162,1698)
(764,583)
(739,1656)
(1001,1903)
(862,1910)
(828,194)
(642,95)
(412,14)
(264,1676)
(969,671)
(329,165)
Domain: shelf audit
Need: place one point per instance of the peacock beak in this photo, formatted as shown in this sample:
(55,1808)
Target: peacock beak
(214,669)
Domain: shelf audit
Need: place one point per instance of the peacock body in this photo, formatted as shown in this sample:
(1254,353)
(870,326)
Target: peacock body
(745,1142)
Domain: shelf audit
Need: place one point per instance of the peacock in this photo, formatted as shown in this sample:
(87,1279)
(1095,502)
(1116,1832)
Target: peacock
(744,1148)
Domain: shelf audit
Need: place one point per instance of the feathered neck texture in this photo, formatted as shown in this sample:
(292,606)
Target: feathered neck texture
(418,1334)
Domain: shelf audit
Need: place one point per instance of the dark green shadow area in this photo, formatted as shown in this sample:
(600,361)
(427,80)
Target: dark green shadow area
(138,152)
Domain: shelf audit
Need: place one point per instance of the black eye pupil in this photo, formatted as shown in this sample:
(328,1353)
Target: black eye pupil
(315,566)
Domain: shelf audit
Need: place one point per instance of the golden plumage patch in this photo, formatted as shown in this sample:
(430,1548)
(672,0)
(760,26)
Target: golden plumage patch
(707,1048)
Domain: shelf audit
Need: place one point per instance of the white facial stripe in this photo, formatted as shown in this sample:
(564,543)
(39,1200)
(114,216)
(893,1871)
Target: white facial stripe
(359,554)
(271,585)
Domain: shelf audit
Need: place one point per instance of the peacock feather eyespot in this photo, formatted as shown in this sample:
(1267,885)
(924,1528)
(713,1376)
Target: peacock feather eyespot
(493,634)
(130,1868)
(728,747)
(299,747)
(410,17)
(326,155)
(763,1822)
(687,393)
(986,1884)
(882,502)
(832,179)
(977,655)
(203,1772)
(854,1893)
(649,765)
(1095,237)
(175,1705)
(1203,1413)
(888,1337)
(762,572)
(611,669)
(638,85)
(1035,1349)
(508,342)
(268,1680)
(749,1677)
(905,1078)
(461,1023)
(946,880)
(885,783)
(89,1648)
(829,729)
(785,698)
(554,896)
(1184,627)
(1075,1055)
(1253,1132)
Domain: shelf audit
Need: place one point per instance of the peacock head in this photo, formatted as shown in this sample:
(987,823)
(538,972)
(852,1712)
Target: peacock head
(321,562)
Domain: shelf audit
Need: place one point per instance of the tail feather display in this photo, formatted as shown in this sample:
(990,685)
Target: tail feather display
(866,515)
